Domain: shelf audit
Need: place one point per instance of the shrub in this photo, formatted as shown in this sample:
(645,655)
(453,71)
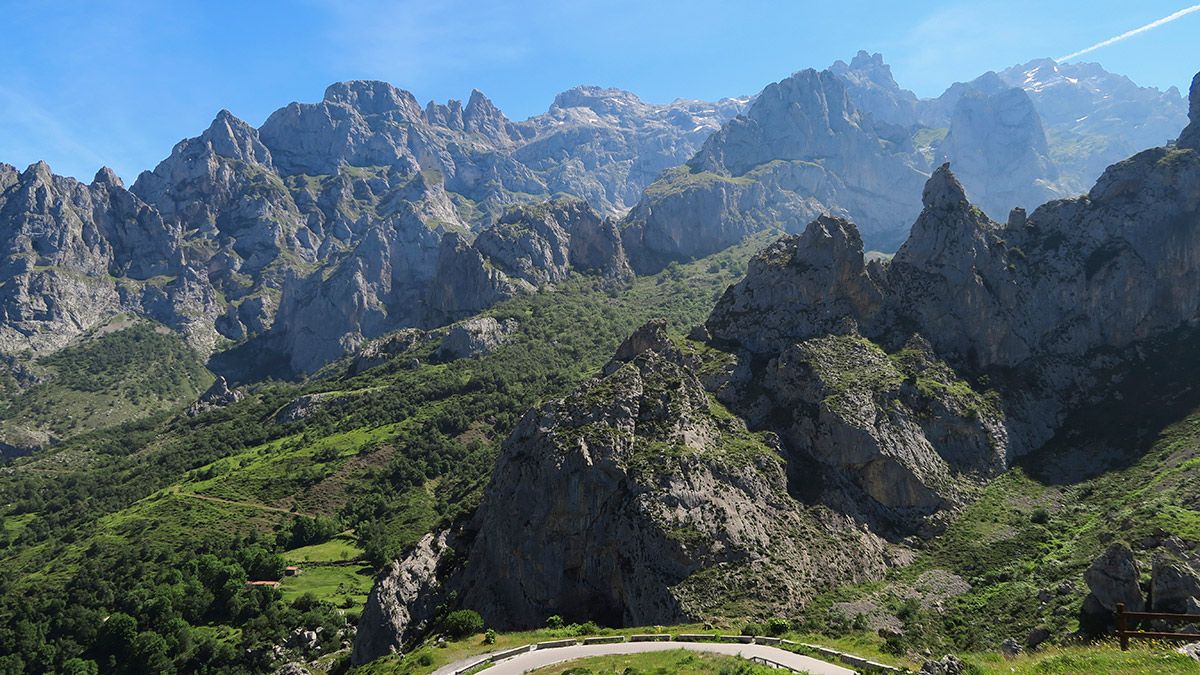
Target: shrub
(586,628)
(554,621)
(463,622)
(425,659)
(1040,516)
(489,638)
(777,626)
(753,629)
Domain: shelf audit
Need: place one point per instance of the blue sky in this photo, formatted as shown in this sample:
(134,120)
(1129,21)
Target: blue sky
(118,83)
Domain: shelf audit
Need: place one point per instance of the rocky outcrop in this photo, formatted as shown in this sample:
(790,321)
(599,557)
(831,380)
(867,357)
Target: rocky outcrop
(543,243)
(378,352)
(1190,138)
(624,503)
(799,287)
(474,337)
(216,396)
(403,599)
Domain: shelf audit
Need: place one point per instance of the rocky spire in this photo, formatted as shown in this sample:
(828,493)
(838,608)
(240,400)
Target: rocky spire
(39,170)
(107,177)
(943,191)
(1190,138)
(482,116)
(229,136)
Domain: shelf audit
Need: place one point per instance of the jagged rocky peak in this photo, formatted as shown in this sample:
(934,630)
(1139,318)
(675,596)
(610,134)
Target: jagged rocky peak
(373,97)
(38,171)
(231,137)
(873,89)
(1190,137)
(483,117)
(800,287)
(449,115)
(108,178)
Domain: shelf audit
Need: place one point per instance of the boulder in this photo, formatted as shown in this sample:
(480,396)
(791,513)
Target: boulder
(1010,648)
(1036,637)
(1191,649)
(947,665)
(1174,584)
(1113,578)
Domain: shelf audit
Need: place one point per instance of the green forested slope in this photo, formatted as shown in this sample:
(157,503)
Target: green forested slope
(164,519)
(120,372)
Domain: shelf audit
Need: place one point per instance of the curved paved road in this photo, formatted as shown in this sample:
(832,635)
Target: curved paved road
(538,658)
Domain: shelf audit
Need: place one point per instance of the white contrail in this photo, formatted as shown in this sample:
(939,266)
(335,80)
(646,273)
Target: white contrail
(1128,34)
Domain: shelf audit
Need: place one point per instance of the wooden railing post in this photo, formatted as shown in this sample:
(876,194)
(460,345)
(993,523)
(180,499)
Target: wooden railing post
(1121,627)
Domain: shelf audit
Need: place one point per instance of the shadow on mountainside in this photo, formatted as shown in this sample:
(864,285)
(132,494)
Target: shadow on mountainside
(1157,385)
(254,360)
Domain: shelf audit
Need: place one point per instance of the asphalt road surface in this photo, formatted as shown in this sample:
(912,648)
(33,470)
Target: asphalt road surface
(538,658)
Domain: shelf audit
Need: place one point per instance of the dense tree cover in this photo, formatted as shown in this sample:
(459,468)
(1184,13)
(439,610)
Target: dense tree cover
(183,605)
(148,610)
(108,378)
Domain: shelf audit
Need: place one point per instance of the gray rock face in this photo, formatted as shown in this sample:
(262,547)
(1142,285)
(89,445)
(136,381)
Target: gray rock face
(1113,578)
(801,150)
(607,145)
(543,243)
(402,598)
(999,151)
(1190,138)
(75,255)
(324,228)
(474,337)
(874,91)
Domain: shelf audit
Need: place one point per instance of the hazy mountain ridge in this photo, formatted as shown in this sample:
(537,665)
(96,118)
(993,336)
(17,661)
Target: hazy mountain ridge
(346,204)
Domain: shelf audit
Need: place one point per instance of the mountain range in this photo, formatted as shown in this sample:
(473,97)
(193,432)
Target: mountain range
(274,250)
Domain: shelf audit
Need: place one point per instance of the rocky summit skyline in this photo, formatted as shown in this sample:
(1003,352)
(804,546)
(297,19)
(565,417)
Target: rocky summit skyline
(338,221)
